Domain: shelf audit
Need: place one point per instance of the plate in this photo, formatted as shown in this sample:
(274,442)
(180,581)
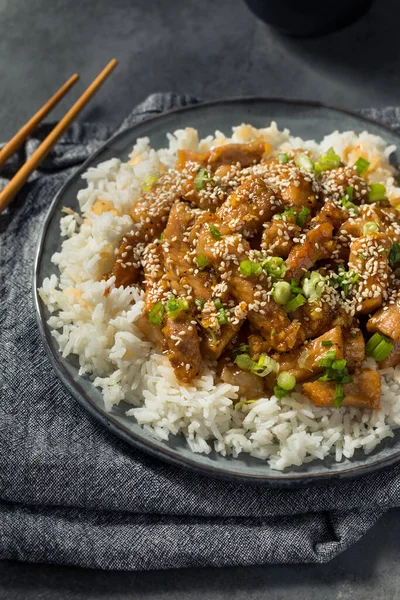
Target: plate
(305,119)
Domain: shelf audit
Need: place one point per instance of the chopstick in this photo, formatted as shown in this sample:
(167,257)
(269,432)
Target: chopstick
(11,189)
(31,125)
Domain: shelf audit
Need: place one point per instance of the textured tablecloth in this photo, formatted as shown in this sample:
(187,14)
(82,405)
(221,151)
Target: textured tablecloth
(72,493)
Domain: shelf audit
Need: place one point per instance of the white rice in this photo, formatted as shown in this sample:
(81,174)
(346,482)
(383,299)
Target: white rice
(101,330)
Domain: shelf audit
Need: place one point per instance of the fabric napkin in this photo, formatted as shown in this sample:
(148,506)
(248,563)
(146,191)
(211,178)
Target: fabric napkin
(72,493)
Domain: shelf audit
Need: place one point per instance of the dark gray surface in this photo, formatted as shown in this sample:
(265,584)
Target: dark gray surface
(209,49)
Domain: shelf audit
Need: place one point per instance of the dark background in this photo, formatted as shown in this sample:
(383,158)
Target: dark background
(208,48)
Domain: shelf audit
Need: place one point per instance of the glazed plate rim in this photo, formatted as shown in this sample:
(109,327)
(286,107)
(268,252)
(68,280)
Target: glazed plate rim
(143,440)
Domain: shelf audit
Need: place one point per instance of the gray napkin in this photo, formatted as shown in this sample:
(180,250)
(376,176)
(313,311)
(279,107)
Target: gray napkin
(72,493)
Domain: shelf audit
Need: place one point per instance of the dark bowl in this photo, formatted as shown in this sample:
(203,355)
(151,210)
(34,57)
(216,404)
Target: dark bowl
(311,18)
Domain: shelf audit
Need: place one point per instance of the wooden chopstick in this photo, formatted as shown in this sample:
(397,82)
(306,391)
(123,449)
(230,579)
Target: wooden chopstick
(11,189)
(31,125)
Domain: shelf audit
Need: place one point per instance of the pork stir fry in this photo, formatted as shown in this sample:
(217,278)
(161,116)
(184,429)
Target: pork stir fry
(281,270)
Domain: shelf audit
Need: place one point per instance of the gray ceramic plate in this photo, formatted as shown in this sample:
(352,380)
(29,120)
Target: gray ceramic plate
(308,120)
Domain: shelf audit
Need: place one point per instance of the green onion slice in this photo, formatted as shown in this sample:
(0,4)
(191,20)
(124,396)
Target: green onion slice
(242,349)
(349,193)
(286,380)
(262,367)
(361,165)
(176,305)
(327,344)
(339,395)
(339,364)
(288,212)
(313,286)
(295,303)
(379,346)
(239,405)
(283,158)
(302,216)
(304,162)
(274,266)
(202,177)
(156,313)
(377,192)
(327,161)
(221,316)
(202,261)
(347,205)
(215,233)
(199,303)
(345,280)
(370,227)
(281,292)
(294,286)
(279,392)
(249,267)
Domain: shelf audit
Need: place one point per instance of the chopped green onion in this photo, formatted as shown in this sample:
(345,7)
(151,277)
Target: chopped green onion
(325,362)
(288,212)
(279,392)
(202,261)
(339,395)
(347,205)
(148,183)
(361,165)
(394,254)
(221,313)
(347,200)
(302,216)
(329,160)
(199,303)
(370,227)
(379,346)
(377,192)
(339,364)
(314,286)
(242,349)
(274,266)
(221,316)
(156,313)
(281,292)
(295,303)
(304,162)
(294,286)
(215,233)
(335,369)
(249,267)
(283,158)
(327,344)
(202,177)
(345,279)
(243,403)
(328,359)
(262,367)
(286,380)
(176,305)
(243,361)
